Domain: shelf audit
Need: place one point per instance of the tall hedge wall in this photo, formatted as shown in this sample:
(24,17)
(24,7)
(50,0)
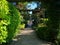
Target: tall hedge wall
(9,20)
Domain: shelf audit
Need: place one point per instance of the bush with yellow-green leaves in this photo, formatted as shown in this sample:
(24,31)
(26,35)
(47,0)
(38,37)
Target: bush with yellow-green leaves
(9,21)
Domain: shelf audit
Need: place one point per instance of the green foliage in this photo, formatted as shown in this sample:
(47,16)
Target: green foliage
(4,20)
(3,30)
(22,26)
(14,22)
(53,23)
(42,33)
(9,21)
(22,19)
(45,34)
(52,33)
(4,9)
(58,37)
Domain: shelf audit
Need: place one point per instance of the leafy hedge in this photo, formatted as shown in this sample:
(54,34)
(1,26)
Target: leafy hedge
(45,34)
(9,20)
(41,32)
(4,20)
(52,33)
(14,22)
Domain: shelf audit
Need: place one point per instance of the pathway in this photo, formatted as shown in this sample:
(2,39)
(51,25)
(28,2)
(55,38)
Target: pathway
(27,37)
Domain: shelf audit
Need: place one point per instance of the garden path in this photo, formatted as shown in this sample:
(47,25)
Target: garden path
(27,37)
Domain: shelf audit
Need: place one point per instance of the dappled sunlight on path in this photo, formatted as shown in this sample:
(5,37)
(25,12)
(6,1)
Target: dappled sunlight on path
(27,37)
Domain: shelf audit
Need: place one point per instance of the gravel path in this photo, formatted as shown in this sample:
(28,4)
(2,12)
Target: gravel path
(27,37)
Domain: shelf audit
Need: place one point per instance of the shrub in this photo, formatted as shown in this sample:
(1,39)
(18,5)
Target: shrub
(45,34)
(42,33)
(9,21)
(58,38)
(14,22)
(4,20)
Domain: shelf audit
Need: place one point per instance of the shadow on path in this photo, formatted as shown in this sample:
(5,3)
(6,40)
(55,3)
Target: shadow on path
(27,37)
